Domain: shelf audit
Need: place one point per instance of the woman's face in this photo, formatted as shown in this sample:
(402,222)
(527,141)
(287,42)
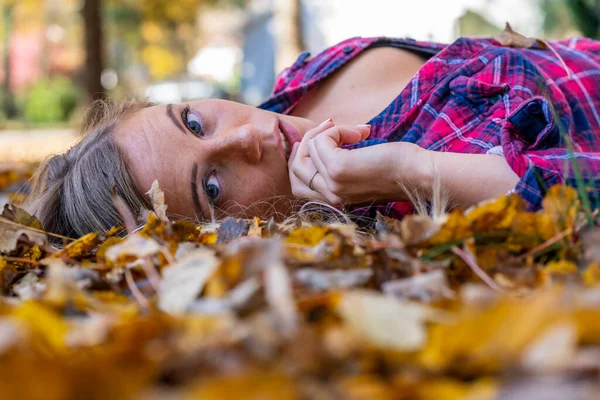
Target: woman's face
(212,152)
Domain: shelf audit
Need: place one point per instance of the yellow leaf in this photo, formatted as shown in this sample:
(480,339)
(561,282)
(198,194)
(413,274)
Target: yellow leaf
(79,247)
(47,329)
(591,275)
(307,236)
(455,227)
(449,389)
(561,267)
(495,215)
(252,386)
(484,339)
(561,204)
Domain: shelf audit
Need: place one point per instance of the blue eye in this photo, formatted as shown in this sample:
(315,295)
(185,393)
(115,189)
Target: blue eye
(192,121)
(212,188)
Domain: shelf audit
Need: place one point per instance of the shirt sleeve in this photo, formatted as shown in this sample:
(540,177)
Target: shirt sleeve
(551,132)
(542,151)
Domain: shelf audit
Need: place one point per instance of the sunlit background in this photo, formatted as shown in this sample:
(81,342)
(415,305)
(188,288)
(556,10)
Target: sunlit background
(58,55)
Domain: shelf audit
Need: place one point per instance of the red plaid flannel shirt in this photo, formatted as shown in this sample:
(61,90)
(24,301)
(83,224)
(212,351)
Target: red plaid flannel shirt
(476,96)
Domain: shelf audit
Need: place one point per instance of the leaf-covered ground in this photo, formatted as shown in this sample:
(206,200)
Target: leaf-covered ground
(493,302)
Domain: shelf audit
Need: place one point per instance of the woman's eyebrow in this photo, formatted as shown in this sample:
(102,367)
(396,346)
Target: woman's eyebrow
(194,188)
(173,118)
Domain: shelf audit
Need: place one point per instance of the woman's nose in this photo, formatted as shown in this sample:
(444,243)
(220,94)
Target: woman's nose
(244,142)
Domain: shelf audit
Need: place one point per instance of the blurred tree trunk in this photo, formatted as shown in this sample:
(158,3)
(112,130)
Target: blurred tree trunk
(7,94)
(92,19)
(288,32)
(586,14)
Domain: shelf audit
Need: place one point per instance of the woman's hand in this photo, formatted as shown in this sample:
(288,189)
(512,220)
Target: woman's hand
(320,169)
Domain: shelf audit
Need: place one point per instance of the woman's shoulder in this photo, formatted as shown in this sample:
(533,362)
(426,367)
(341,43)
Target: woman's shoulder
(296,80)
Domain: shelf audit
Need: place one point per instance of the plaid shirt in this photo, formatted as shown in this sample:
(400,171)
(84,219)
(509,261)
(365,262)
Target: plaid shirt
(476,96)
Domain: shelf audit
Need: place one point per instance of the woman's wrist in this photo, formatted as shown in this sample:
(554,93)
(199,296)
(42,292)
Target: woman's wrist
(413,168)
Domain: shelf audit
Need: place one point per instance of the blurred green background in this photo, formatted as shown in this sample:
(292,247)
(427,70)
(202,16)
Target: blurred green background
(58,55)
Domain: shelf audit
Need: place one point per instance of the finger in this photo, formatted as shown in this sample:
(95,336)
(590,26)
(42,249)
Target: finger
(302,150)
(347,134)
(293,153)
(300,189)
(316,160)
(304,169)
(321,190)
(365,131)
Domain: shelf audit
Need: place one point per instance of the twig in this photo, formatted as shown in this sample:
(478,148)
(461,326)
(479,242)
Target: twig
(553,50)
(22,260)
(546,244)
(477,269)
(153,276)
(124,211)
(139,297)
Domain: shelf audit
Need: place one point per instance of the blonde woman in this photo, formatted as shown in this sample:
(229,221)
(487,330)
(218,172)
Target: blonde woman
(353,126)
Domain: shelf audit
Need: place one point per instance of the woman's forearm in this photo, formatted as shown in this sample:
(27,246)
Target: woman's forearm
(467,178)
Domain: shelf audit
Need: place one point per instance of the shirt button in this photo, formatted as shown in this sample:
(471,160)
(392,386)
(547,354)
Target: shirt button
(534,108)
(348,49)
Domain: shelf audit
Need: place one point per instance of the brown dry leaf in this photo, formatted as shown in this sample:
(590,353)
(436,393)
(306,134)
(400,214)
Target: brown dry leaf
(510,38)
(10,232)
(157,199)
(417,228)
(20,216)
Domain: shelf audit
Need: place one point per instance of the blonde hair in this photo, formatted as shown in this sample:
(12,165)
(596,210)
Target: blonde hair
(72,193)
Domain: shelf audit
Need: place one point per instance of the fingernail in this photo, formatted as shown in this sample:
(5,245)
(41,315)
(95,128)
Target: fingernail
(364,126)
(327,121)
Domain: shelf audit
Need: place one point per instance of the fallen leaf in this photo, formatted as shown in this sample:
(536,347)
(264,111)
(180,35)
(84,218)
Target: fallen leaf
(183,281)
(278,288)
(79,247)
(553,350)
(427,287)
(133,246)
(157,199)
(384,321)
(11,232)
(337,279)
(510,38)
(11,333)
(231,229)
(20,216)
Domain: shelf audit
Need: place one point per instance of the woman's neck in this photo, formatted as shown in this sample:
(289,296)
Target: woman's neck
(361,89)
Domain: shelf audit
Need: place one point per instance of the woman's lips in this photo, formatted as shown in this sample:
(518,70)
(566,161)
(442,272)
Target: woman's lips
(290,132)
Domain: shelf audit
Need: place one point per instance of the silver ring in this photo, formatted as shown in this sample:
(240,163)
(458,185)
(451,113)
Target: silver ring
(310,186)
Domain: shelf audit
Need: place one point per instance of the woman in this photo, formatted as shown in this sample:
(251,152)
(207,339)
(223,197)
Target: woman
(484,118)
